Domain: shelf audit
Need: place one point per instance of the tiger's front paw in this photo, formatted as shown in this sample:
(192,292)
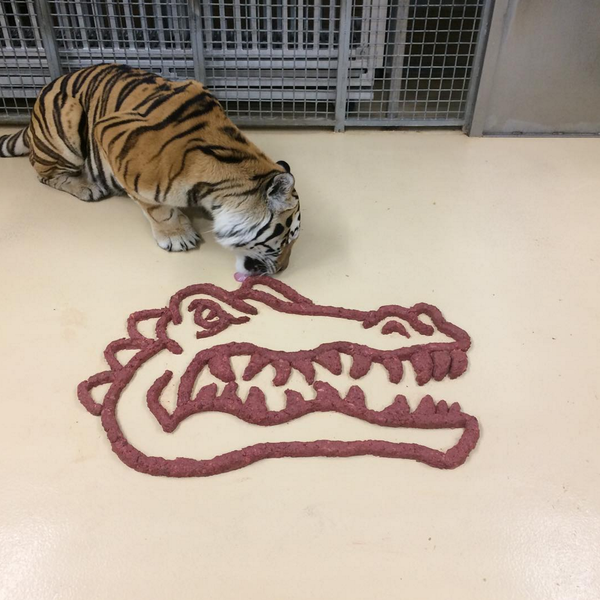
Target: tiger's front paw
(178,241)
(172,230)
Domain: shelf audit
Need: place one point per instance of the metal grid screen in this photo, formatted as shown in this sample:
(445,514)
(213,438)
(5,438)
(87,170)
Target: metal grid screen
(271,62)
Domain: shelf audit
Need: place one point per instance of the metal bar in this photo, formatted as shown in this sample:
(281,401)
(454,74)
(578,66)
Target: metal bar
(174,23)
(208,24)
(269,21)
(343,56)
(476,69)
(428,99)
(269,91)
(254,25)
(317,24)
(237,19)
(405,123)
(284,24)
(14,119)
(222,22)
(83,26)
(314,122)
(17,17)
(35,26)
(74,61)
(468,67)
(4,29)
(197,40)
(63,17)
(144,20)
(114,26)
(300,24)
(159,21)
(331,13)
(401,22)
(328,122)
(275,52)
(129,33)
(48,38)
(253,122)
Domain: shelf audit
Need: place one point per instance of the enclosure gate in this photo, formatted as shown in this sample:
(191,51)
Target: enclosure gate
(307,62)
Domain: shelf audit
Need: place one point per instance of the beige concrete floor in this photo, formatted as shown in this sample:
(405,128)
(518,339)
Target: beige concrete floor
(502,235)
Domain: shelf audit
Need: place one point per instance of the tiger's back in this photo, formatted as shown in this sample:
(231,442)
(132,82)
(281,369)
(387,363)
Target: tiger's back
(134,126)
(114,129)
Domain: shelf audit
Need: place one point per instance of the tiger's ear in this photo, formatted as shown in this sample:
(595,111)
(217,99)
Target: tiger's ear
(279,192)
(283,164)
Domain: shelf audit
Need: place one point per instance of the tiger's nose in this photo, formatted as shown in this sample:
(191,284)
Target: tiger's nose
(254,266)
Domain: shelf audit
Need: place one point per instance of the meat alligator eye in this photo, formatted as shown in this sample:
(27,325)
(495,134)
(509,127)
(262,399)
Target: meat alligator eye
(211,316)
(394,327)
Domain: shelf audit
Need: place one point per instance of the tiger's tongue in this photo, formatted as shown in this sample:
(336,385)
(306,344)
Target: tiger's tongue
(239,277)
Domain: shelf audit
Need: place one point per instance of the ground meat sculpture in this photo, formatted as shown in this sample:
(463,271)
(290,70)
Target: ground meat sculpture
(211,315)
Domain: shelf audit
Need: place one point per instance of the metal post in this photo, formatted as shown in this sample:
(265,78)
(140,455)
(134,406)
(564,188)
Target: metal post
(48,38)
(499,23)
(343,63)
(476,68)
(197,40)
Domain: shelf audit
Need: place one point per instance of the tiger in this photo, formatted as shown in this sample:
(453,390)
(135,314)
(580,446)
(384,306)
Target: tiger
(112,129)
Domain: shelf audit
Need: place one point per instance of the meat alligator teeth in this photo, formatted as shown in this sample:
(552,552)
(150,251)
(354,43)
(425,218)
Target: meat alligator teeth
(207,394)
(331,360)
(256,364)
(441,408)
(361,365)
(423,366)
(293,399)
(426,407)
(393,366)
(306,368)
(356,397)
(221,368)
(256,405)
(327,396)
(398,407)
(459,363)
(441,364)
(229,399)
(283,370)
(454,408)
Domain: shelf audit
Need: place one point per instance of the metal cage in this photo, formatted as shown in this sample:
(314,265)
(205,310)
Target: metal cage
(306,62)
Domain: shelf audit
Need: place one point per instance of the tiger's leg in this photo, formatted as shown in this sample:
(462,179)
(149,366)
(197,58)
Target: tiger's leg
(82,183)
(140,180)
(56,148)
(172,230)
(76,185)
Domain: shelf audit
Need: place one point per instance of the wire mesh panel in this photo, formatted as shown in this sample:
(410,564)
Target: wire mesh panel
(23,65)
(272,60)
(428,49)
(149,34)
(298,62)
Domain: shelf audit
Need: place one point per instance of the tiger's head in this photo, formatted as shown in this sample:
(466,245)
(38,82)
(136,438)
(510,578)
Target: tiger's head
(262,228)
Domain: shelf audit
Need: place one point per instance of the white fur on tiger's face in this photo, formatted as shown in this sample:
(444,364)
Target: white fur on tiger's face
(111,129)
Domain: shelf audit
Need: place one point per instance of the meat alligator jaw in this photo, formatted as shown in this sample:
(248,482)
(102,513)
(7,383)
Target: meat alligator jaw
(216,362)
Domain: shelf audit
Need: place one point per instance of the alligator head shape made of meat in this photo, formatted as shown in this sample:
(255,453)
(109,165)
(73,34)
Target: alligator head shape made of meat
(212,322)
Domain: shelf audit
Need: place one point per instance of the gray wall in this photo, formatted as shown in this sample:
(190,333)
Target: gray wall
(541,72)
